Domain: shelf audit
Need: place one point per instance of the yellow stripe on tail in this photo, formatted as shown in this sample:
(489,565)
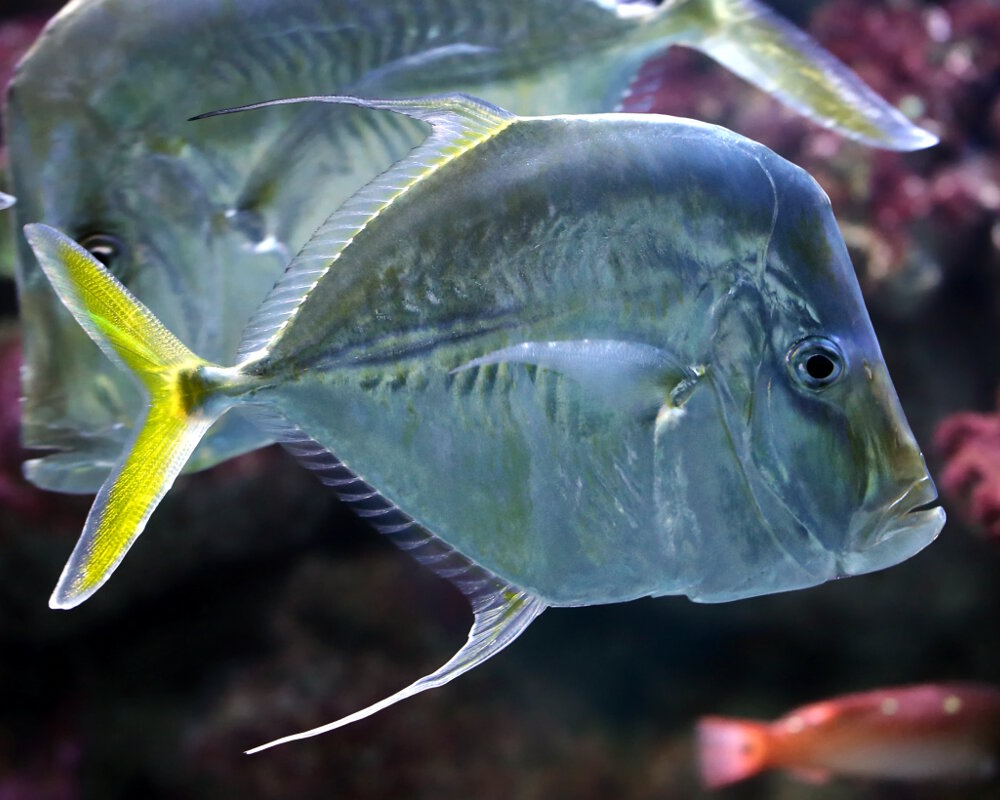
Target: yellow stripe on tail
(181,391)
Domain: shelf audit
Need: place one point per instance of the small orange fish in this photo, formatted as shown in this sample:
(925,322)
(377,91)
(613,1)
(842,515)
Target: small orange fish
(929,732)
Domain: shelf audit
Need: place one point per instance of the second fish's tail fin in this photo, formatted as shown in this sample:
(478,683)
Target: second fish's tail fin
(765,49)
(182,406)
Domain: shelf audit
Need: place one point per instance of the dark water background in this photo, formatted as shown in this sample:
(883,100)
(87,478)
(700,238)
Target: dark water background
(254,606)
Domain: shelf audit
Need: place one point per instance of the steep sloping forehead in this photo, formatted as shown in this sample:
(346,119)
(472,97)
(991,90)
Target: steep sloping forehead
(701,201)
(808,262)
(669,156)
(689,185)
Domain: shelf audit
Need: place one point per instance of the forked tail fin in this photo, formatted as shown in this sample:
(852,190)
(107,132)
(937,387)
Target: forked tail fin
(730,750)
(760,46)
(179,385)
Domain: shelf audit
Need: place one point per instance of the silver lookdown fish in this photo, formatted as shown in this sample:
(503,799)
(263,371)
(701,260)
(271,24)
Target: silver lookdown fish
(562,360)
(198,221)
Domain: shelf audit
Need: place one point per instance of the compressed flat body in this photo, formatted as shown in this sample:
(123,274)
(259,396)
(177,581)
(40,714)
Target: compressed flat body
(638,231)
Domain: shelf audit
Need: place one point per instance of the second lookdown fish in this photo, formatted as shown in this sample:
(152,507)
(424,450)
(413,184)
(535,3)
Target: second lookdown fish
(562,360)
(198,221)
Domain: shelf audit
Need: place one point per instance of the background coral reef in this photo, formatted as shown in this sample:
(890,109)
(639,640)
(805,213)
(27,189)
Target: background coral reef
(255,606)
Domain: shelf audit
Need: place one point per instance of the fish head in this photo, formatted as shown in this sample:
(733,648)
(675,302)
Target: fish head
(794,460)
(829,443)
(828,431)
(146,207)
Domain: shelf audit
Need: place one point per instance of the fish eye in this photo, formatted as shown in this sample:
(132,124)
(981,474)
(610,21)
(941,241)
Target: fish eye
(816,362)
(103,246)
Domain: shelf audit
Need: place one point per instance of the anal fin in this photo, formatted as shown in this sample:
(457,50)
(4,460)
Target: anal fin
(501,610)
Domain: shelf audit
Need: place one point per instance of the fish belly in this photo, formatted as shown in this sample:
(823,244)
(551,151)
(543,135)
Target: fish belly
(514,466)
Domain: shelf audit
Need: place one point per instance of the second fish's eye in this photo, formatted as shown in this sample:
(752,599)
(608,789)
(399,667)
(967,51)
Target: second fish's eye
(103,246)
(816,362)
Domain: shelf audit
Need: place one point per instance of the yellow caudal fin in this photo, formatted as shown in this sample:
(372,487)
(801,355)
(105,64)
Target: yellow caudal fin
(180,387)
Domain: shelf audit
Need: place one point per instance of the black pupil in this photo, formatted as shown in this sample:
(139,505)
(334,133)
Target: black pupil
(104,254)
(819,366)
(103,248)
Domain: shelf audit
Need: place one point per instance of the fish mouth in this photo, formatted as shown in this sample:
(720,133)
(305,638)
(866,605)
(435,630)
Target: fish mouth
(905,528)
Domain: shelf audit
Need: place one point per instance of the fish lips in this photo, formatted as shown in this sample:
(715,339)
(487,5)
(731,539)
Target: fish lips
(905,528)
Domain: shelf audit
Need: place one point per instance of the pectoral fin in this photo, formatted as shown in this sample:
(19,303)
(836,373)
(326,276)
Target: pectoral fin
(626,374)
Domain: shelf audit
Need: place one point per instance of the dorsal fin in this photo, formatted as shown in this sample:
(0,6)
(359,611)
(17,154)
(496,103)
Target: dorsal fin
(458,123)
(501,610)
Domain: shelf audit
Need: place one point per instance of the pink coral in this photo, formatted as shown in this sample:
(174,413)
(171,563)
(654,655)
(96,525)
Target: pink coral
(971,444)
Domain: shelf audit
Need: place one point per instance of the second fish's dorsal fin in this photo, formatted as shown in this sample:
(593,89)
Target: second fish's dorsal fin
(501,610)
(458,123)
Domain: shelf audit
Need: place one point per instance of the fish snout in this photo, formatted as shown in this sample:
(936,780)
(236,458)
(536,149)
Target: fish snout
(898,515)
(904,527)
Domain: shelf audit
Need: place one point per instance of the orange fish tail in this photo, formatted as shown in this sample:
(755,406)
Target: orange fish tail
(730,750)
